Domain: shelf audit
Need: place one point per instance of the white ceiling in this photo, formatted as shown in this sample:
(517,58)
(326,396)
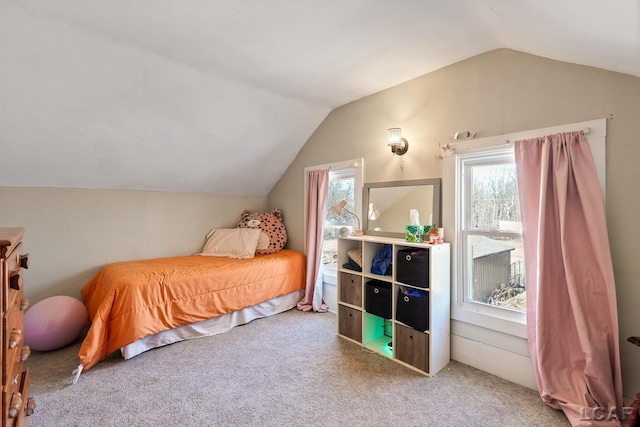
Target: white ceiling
(218,96)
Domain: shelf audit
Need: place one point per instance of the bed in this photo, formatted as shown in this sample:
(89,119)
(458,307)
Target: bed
(135,306)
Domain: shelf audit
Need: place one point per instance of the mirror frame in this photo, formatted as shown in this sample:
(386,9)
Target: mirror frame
(436,203)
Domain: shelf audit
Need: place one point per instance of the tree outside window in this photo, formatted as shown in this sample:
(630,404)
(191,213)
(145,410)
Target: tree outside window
(341,187)
(492,233)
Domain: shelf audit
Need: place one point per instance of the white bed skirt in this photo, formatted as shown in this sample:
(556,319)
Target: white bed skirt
(213,326)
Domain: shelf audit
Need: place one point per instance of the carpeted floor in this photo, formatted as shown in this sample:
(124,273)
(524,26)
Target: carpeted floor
(287,370)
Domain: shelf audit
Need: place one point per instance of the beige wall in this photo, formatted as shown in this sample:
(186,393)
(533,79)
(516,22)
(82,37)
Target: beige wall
(502,91)
(70,233)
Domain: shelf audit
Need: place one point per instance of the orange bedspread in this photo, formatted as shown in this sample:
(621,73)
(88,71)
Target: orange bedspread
(130,300)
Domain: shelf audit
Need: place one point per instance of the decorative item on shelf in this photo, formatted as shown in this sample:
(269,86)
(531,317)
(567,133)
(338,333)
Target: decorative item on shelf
(398,144)
(339,208)
(414,232)
(436,234)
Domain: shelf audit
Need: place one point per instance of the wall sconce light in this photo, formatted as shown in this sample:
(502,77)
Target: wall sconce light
(398,144)
(337,209)
(373,212)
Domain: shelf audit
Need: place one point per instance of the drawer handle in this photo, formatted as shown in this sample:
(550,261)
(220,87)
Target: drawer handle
(31,406)
(408,257)
(24,304)
(24,261)
(25,353)
(14,406)
(406,298)
(376,290)
(15,281)
(14,338)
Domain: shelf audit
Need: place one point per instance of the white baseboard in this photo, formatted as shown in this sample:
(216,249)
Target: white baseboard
(496,361)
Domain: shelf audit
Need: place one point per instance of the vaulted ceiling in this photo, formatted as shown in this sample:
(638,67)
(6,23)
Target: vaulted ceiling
(218,96)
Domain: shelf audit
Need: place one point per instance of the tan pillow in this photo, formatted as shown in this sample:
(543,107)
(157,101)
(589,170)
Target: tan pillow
(356,256)
(232,242)
(263,242)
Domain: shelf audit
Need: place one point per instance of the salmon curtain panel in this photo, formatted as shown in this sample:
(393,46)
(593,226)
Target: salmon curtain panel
(572,321)
(317,182)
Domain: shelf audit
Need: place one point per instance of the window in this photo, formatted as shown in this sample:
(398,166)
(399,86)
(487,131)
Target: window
(345,183)
(492,251)
(481,217)
(342,186)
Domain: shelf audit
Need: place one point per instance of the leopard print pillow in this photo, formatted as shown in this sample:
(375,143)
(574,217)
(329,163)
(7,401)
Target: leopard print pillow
(274,234)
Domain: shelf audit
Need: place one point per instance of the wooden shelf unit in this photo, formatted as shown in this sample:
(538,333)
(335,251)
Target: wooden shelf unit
(426,351)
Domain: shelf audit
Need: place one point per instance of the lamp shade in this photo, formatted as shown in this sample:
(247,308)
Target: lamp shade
(337,209)
(398,144)
(394,136)
(373,212)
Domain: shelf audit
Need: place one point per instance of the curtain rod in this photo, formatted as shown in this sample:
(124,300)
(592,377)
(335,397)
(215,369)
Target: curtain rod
(585,131)
(451,149)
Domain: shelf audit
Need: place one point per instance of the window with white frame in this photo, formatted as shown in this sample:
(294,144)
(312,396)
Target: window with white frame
(491,233)
(482,215)
(345,183)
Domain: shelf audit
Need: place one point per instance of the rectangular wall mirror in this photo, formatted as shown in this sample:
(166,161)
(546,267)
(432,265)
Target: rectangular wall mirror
(392,202)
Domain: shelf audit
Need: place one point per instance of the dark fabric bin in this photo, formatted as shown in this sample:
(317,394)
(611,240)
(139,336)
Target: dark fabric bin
(413,267)
(413,309)
(378,298)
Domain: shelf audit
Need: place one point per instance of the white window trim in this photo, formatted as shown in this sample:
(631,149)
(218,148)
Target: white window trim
(502,320)
(512,318)
(329,275)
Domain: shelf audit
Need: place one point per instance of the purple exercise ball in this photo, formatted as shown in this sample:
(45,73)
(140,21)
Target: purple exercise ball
(54,322)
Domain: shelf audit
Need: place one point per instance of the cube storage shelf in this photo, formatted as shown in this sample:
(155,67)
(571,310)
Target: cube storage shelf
(425,301)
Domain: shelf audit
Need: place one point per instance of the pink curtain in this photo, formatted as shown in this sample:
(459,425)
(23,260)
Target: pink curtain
(316,207)
(572,321)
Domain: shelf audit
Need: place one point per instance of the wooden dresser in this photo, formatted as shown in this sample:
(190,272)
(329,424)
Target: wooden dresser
(16,403)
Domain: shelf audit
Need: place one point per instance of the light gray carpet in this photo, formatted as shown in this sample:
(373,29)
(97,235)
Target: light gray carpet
(287,370)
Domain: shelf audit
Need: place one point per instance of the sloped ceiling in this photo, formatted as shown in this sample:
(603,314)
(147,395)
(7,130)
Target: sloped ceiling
(218,96)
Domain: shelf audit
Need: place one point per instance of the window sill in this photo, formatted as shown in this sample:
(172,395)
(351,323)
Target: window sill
(330,276)
(508,322)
